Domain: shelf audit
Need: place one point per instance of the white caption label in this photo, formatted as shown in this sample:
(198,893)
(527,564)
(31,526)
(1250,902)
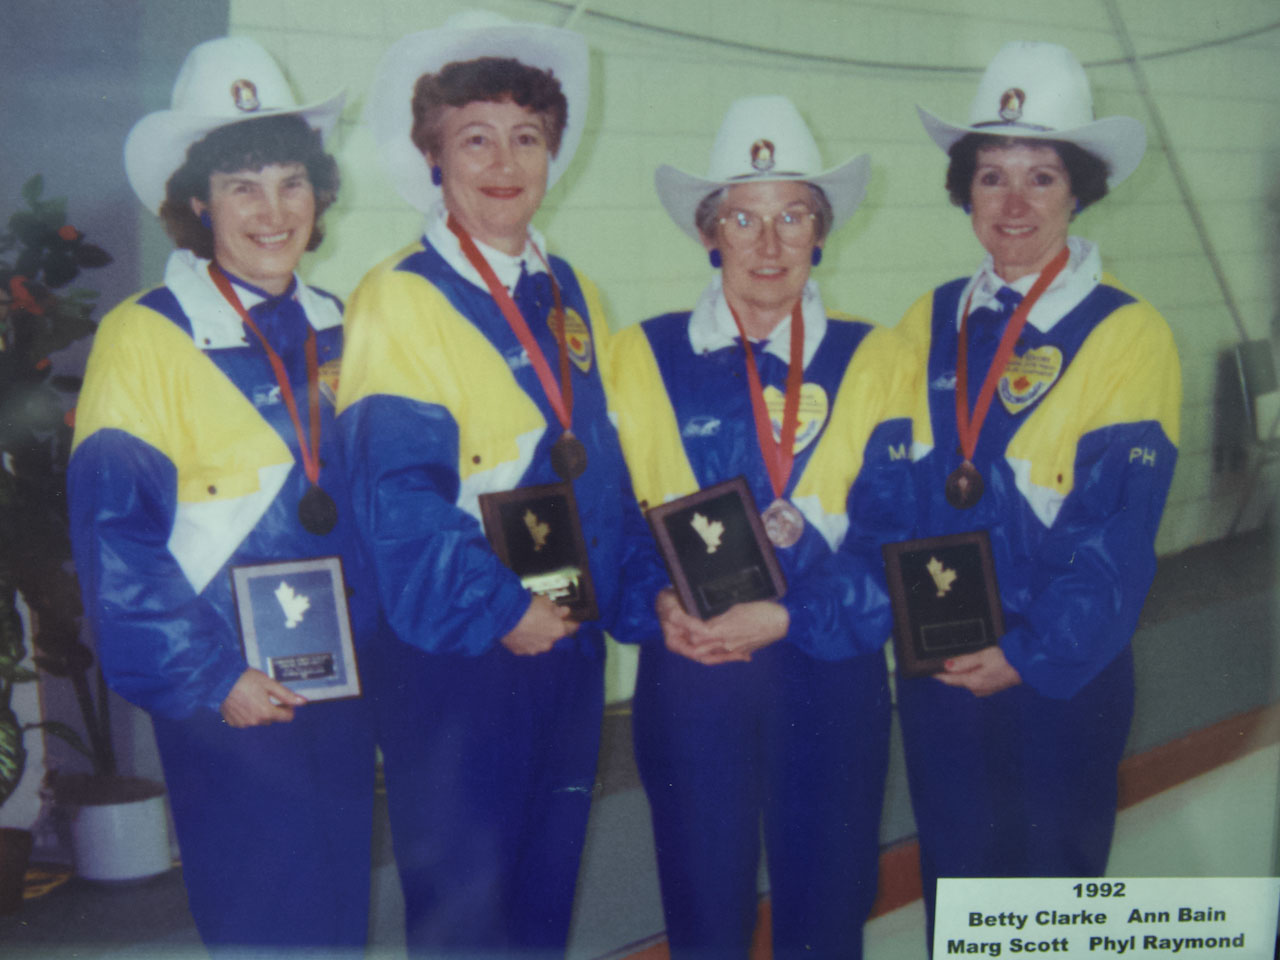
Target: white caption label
(1190,917)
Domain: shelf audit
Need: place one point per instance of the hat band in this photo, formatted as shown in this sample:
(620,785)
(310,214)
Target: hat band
(1039,128)
(771,174)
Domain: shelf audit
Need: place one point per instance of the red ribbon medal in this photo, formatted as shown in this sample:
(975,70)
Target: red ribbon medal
(964,486)
(317,512)
(783,523)
(568,455)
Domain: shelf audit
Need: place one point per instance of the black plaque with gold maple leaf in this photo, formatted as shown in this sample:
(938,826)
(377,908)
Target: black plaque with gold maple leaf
(945,599)
(536,532)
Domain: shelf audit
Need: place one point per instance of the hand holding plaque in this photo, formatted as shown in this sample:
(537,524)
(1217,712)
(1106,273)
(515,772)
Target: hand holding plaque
(716,550)
(536,532)
(541,626)
(295,626)
(945,600)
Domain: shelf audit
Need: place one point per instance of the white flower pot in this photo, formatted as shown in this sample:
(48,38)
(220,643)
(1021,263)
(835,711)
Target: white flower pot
(127,840)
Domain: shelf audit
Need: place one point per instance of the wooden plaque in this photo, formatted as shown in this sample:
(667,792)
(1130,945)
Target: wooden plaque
(945,599)
(715,548)
(536,532)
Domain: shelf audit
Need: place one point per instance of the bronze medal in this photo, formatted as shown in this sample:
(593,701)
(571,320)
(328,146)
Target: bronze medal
(317,512)
(964,486)
(568,456)
(783,523)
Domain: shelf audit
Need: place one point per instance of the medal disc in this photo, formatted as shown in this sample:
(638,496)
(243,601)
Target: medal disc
(317,512)
(964,486)
(783,523)
(568,456)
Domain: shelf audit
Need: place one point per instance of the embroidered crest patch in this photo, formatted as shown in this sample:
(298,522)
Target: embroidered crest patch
(1011,102)
(245,96)
(578,336)
(329,371)
(1028,378)
(762,156)
(812,415)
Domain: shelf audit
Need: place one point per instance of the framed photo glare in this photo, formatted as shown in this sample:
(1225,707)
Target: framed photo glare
(536,532)
(715,548)
(945,599)
(295,627)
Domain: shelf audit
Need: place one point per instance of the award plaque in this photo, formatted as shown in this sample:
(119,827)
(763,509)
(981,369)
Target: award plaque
(715,548)
(535,531)
(295,627)
(945,599)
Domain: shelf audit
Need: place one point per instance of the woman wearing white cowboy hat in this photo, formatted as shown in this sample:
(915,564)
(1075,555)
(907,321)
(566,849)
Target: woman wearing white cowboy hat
(773,713)
(1058,439)
(474,368)
(205,441)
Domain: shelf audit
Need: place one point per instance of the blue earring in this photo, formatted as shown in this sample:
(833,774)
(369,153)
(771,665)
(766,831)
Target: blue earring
(715,258)
(437,175)
(1079,205)
(967,208)
(206,221)
(815,258)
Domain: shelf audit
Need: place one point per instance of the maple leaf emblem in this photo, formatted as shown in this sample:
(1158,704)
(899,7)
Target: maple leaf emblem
(292,603)
(537,529)
(942,576)
(709,530)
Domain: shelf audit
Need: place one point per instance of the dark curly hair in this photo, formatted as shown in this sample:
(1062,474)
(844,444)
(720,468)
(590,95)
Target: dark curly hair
(490,79)
(247,145)
(1086,173)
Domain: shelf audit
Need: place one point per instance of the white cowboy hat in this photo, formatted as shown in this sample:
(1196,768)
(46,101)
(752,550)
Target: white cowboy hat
(467,36)
(1039,91)
(762,139)
(221,82)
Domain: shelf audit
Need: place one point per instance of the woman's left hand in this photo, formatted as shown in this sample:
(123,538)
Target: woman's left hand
(747,627)
(982,673)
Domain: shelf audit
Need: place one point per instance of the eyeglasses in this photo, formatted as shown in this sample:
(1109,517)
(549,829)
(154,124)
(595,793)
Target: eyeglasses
(742,229)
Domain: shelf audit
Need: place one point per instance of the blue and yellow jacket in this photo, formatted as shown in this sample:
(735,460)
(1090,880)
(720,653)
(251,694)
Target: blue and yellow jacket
(686,423)
(185,463)
(439,405)
(1077,454)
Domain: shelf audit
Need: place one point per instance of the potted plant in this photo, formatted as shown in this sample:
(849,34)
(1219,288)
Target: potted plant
(40,255)
(15,842)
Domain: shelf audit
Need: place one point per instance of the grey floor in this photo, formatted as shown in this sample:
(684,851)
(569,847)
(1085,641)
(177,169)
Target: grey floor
(1207,648)
(1220,824)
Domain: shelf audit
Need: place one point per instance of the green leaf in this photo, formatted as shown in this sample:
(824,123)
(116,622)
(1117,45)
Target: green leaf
(91,255)
(13,755)
(16,674)
(32,189)
(62,732)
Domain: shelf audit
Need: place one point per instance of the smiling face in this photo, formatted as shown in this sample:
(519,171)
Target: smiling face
(1022,206)
(763,281)
(493,158)
(262,222)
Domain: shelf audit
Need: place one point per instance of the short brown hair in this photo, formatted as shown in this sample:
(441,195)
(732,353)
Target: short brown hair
(1086,172)
(490,79)
(247,145)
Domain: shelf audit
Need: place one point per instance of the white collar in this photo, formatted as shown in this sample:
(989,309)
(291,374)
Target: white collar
(1082,273)
(215,325)
(711,325)
(505,266)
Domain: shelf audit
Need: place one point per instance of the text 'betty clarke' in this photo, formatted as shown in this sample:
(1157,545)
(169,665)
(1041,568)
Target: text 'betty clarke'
(1056,918)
